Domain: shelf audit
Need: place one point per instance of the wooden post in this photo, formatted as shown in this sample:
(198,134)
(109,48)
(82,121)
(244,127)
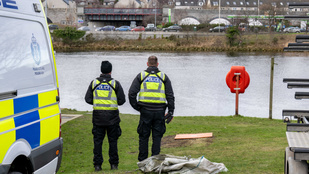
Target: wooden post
(271,88)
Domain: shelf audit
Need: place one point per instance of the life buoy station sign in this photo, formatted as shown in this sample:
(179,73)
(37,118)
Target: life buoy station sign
(237,79)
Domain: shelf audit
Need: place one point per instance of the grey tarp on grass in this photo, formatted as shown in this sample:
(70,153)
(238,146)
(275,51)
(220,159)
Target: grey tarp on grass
(185,165)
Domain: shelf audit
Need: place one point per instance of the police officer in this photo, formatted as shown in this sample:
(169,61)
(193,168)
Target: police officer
(155,94)
(105,94)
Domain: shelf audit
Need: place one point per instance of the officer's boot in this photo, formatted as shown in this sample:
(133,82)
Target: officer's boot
(114,166)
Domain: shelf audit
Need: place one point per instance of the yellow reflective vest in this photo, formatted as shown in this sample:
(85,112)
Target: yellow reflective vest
(104,96)
(152,88)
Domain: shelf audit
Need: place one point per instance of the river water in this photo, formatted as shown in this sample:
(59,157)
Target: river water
(198,80)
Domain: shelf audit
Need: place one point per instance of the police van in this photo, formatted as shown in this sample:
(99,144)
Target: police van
(30,132)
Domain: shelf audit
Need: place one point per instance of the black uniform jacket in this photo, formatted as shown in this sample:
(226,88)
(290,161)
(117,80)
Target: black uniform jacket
(106,117)
(135,88)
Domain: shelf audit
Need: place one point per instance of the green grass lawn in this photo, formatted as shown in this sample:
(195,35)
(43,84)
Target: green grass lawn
(243,144)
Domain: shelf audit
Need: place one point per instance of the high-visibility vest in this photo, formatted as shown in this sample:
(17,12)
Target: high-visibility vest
(104,96)
(152,88)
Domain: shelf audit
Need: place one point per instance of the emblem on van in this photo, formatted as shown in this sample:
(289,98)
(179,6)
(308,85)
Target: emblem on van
(35,50)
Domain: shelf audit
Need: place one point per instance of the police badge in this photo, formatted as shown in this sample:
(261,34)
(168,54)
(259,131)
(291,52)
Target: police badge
(35,50)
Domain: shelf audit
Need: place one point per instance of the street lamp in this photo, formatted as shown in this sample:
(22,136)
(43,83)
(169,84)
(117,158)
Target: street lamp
(258,17)
(46,8)
(154,4)
(219,13)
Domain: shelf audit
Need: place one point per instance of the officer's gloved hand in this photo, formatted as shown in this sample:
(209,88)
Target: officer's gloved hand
(168,117)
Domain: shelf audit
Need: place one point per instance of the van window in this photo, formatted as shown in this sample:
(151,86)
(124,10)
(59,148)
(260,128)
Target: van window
(24,57)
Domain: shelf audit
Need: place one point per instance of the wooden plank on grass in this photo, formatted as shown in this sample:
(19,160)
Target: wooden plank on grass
(193,136)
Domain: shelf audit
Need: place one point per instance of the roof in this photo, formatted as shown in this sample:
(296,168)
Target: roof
(188,2)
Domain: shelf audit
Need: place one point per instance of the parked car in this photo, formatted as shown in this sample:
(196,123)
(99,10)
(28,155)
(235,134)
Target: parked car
(286,30)
(217,29)
(172,28)
(123,28)
(98,29)
(84,28)
(138,28)
(107,28)
(291,30)
(294,30)
(150,27)
(53,27)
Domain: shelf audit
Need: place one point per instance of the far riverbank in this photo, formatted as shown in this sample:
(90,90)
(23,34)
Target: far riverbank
(270,42)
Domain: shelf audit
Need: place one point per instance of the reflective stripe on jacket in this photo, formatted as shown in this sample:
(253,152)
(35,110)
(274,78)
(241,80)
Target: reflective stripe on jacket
(104,96)
(152,88)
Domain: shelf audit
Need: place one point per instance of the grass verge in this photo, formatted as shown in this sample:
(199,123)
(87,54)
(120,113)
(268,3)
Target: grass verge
(243,144)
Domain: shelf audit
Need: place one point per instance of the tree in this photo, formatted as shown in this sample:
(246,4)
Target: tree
(232,33)
(271,10)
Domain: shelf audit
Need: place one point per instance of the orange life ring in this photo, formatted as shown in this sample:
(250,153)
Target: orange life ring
(244,79)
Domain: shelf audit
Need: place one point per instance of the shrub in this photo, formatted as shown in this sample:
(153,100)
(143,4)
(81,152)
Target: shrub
(231,34)
(172,37)
(168,24)
(159,26)
(275,40)
(90,38)
(68,34)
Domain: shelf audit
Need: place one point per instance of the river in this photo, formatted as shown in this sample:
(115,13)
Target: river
(198,80)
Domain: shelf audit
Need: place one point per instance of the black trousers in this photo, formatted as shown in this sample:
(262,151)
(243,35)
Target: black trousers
(113,133)
(150,122)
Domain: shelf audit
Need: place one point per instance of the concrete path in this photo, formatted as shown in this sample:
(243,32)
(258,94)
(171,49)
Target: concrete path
(68,117)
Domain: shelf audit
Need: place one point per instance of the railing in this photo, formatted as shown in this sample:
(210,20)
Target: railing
(122,11)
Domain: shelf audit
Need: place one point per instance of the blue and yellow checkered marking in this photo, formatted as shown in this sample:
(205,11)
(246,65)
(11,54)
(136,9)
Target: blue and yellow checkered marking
(34,118)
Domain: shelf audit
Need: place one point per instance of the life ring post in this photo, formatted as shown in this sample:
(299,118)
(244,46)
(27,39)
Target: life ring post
(237,92)
(237,80)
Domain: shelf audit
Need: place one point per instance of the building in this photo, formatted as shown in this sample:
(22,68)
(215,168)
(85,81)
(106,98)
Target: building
(189,4)
(61,11)
(237,5)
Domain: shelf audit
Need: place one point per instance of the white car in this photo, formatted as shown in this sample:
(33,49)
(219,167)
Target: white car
(84,28)
(292,30)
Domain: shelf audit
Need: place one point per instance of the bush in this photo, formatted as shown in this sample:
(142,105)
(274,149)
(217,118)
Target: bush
(172,37)
(275,40)
(159,27)
(140,36)
(68,34)
(231,34)
(90,38)
(168,24)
